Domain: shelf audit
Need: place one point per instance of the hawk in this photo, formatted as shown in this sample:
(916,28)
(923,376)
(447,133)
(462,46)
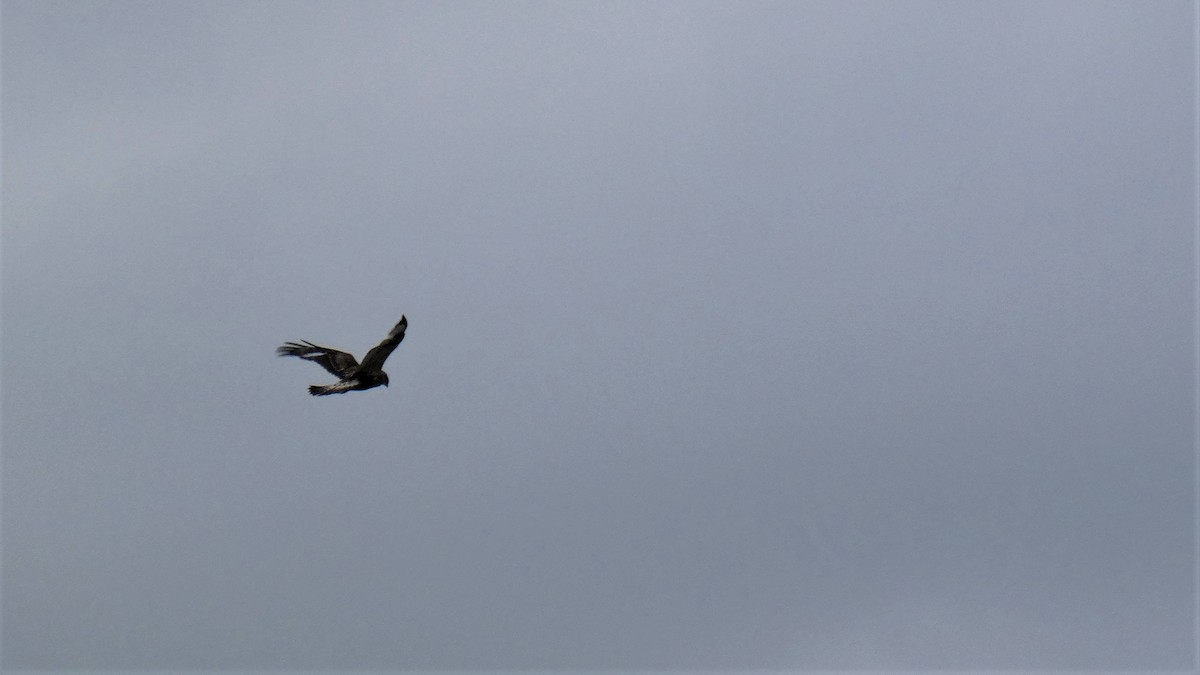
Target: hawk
(352,375)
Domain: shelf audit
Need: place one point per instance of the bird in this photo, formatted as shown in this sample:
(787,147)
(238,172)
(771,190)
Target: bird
(352,375)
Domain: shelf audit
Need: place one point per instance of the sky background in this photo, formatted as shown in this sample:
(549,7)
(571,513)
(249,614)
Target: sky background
(741,335)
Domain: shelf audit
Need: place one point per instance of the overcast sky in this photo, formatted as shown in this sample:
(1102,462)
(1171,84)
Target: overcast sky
(741,335)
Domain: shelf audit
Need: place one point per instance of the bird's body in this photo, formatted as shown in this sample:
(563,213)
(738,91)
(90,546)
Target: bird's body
(352,376)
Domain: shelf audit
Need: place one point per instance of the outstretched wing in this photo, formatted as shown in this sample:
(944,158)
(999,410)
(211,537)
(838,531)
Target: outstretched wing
(379,353)
(338,363)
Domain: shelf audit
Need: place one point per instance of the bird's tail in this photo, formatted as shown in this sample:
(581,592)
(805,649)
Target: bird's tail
(323,390)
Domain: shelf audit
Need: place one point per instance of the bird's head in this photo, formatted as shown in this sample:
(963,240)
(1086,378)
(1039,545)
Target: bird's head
(384,376)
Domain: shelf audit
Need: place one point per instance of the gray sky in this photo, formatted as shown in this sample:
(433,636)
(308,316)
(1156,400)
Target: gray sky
(741,335)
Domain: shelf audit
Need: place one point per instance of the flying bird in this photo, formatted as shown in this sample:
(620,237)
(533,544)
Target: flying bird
(352,375)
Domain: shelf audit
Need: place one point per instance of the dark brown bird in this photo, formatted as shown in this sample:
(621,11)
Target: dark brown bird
(352,375)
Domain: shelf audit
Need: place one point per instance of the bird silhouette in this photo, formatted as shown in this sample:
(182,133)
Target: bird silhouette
(352,375)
